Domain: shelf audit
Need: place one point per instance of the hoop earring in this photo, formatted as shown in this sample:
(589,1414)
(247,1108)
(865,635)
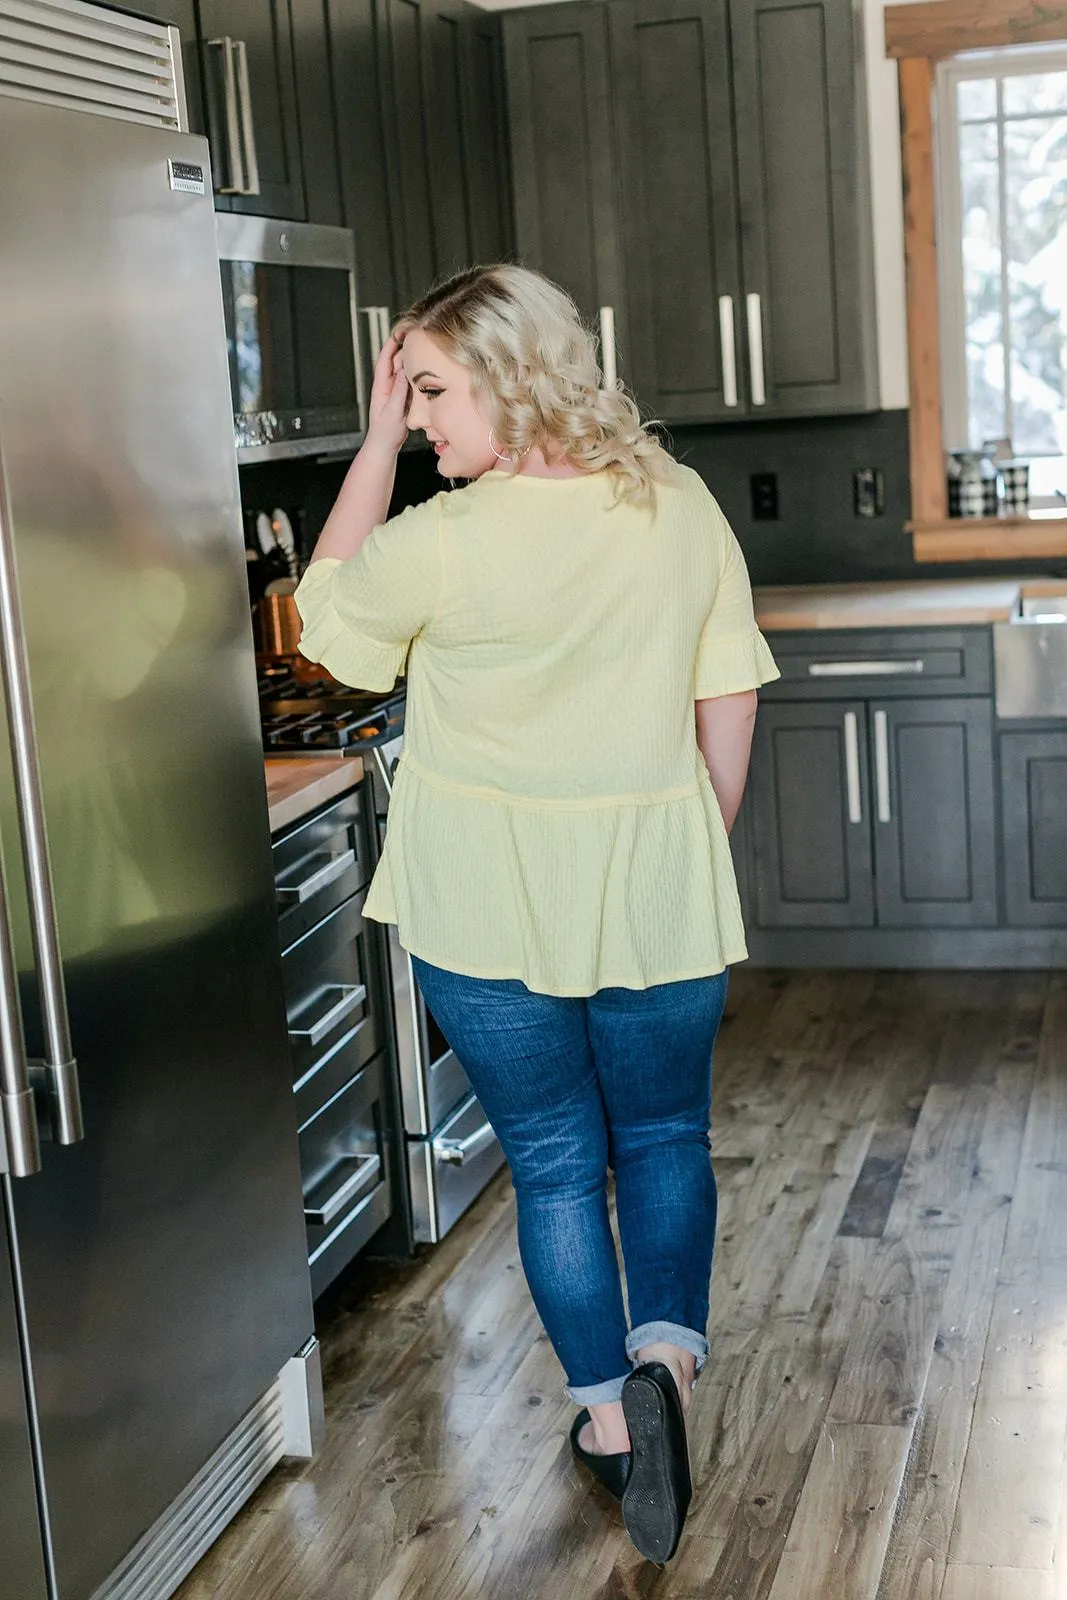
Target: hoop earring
(506,455)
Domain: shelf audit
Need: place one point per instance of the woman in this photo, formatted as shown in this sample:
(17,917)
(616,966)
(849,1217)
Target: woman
(582,662)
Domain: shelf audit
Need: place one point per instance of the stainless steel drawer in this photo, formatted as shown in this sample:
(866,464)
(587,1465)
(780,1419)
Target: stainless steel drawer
(320,863)
(329,989)
(344,1161)
(449,1170)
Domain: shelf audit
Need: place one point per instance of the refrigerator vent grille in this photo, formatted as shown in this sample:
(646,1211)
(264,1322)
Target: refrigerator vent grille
(171,1548)
(66,53)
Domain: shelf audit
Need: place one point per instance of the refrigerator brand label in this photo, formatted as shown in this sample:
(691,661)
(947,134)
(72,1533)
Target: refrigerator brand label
(186,177)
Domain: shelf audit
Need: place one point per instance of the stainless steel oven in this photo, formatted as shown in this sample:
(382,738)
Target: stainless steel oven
(292,334)
(452,1151)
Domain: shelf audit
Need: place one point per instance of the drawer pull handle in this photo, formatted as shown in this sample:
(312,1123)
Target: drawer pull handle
(338,864)
(457,1151)
(352,995)
(359,1173)
(864,669)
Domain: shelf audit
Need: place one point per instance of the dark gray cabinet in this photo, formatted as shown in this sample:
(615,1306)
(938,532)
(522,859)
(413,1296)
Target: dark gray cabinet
(251,105)
(934,813)
(876,813)
(809,824)
(1033,791)
(804,207)
(400,27)
(483,105)
(320,155)
(563,152)
(714,191)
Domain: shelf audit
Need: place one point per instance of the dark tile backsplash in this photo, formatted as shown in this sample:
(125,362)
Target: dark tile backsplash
(816,537)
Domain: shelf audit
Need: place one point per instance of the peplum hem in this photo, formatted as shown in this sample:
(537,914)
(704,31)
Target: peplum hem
(627,894)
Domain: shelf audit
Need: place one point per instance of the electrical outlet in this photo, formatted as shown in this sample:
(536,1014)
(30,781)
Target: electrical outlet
(764,487)
(868,492)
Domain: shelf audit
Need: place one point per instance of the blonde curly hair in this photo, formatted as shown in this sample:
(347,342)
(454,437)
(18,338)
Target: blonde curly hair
(535,375)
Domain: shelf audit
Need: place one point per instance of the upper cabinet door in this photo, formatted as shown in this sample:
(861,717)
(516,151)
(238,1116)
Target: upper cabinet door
(400,65)
(672,98)
(450,203)
(804,207)
(251,101)
(319,156)
(485,141)
(562,148)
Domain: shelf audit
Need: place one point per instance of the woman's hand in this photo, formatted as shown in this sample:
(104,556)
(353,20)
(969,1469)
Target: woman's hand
(389,398)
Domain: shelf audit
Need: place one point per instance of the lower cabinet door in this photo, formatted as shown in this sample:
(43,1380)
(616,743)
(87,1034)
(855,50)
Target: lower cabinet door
(1033,792)
(934,814)
(810,817)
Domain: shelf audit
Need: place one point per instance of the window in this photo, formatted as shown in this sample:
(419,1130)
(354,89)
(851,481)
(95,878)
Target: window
(1002,256)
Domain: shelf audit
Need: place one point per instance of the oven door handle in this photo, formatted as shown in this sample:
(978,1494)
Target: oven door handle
(356,1173)
(458,1151)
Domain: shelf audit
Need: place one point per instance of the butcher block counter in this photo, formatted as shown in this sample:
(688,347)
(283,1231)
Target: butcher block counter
(297,785)
(950,604)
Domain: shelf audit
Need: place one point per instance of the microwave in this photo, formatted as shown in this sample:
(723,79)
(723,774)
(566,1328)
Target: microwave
(292,336)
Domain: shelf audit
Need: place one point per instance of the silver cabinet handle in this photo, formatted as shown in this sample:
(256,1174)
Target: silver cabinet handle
(608,353)
(864,669)
(60,1069)
(357,1173)
(457,1151)
(881,766)
(754,308)
(852,767)
(352,996)
(336,867)
(248,132)
(384,325)
(378,322)
(729,351)
(235,168)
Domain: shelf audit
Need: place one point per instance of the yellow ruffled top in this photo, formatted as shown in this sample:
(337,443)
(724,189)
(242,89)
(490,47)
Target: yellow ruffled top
(552,818)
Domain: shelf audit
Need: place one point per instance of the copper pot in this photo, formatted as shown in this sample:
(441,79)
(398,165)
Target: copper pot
(276,625)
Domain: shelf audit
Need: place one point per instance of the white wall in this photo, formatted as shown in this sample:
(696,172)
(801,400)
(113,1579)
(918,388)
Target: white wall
(887,203)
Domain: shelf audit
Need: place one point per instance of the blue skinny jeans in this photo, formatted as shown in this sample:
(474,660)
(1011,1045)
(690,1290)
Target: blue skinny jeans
(621,1079)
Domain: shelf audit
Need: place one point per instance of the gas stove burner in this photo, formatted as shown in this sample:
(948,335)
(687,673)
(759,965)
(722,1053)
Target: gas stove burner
(342,722)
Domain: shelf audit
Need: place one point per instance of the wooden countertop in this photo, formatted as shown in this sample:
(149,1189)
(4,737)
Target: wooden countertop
(297,785)
(957,603)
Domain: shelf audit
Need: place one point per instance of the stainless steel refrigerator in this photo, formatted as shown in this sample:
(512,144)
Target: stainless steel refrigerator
(155,1309)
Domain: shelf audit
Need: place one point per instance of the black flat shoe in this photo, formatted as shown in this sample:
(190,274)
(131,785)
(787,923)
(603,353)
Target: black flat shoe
(659,1488)
(612,1471)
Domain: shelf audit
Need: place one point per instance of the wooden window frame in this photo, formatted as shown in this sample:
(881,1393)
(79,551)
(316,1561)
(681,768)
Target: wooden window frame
(917,37)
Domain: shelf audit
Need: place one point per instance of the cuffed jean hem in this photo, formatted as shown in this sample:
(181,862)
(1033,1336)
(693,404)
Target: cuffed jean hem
(597,1394)
(668,1333)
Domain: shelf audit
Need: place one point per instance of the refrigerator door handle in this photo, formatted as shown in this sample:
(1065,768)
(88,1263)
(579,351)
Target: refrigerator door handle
(18,1123)
(60,1070)
(248,132)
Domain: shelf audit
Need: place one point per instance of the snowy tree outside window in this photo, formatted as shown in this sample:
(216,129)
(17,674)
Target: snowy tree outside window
(1002,250)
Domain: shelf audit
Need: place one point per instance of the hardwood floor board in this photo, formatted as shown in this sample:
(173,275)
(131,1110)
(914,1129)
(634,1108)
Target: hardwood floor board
(876,1185)
(916,1558)
(930,1198)
(841,1527)
(996,1023)
(997,1583)
(1036,1231)
(830,1196)
(1010,1496)
(884,1371)
(751,1466)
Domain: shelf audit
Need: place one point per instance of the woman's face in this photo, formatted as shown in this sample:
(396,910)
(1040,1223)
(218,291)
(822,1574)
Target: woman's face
(441,406)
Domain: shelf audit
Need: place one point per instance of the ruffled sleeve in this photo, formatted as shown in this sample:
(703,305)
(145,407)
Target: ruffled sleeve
(361,615)
(732,654)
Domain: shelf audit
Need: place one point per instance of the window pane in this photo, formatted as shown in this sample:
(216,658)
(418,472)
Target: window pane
(1036,240)
(1035,91)
(976,98)
(982,281)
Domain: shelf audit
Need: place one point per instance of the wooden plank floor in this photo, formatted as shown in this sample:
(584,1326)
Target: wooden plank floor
(884,1412)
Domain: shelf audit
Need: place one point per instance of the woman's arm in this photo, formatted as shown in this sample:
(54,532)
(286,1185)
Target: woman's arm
(363,503)
(724,734)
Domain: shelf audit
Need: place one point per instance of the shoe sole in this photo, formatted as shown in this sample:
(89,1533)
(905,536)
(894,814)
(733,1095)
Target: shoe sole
(657,1494)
